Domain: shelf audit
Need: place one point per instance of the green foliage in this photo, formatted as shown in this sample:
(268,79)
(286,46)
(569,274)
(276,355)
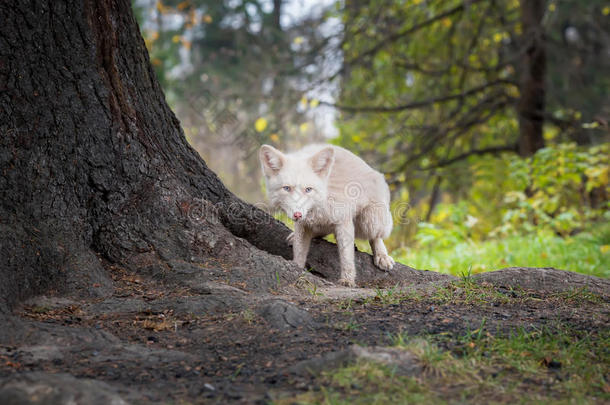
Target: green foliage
(587,253)
(400,82)
(426,51)
(554,190)
(548,210)
(561,189)
(454,226)
(459,68)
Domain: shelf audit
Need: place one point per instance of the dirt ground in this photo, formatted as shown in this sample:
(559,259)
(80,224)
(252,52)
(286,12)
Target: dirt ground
(152,342)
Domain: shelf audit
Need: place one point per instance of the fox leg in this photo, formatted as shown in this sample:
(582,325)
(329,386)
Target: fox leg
(374,223)
(381,258)
(301,240)
(344,233)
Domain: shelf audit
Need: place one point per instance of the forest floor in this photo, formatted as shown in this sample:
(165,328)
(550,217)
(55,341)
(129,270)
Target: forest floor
(461,341)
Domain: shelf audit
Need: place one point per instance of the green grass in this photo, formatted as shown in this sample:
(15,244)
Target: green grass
(365,383)
(586,253)
(543,366)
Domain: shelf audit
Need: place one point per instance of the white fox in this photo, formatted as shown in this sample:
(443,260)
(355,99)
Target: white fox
(327,189)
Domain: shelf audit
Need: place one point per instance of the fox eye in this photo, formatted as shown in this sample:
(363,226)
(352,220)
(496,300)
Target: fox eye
(308,189)
(287,188)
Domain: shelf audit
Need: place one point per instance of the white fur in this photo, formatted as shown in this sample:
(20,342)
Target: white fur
(335,192)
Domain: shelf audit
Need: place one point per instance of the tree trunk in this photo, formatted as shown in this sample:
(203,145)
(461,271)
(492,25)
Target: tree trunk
(277,14)
(533,72)
(96,169)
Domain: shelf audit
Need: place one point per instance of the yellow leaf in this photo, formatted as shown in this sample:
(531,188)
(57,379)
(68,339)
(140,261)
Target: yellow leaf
(275,138)
(497,37)
(303,127)
(176,39)
(303,102)
(446,22)
(260,124)
(314,103)
(207,19)
(513,91)
(590,125)
(550,133)
(182,5)
(298,40)
(606,10)
(604,248)
(552,7)
(187,44)
(473,59)
(416,2)
(518,29)
(156,61)
(163,9)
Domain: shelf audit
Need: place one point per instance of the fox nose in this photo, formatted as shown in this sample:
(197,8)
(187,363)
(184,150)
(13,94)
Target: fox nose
(297,215)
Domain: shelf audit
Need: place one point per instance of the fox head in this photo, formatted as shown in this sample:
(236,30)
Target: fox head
(297,183)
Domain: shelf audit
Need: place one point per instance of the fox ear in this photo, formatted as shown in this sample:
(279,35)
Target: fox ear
(272,160)
(322,161)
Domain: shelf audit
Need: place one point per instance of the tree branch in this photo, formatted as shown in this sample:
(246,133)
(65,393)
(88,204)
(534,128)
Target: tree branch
(475,152)
(464,124)
(410,30)
(418,104)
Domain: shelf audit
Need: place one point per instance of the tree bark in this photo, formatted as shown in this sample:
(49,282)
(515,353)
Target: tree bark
(530,108)
(96,169)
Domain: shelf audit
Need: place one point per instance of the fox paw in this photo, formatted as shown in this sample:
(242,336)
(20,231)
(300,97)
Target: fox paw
(384,262)
(290,238)
(346,282)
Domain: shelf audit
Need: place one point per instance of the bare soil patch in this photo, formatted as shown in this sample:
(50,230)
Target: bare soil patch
(156,342)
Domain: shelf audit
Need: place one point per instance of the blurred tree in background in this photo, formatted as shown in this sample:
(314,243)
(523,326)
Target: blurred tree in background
(235,73)
(454,96)
(489,117)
